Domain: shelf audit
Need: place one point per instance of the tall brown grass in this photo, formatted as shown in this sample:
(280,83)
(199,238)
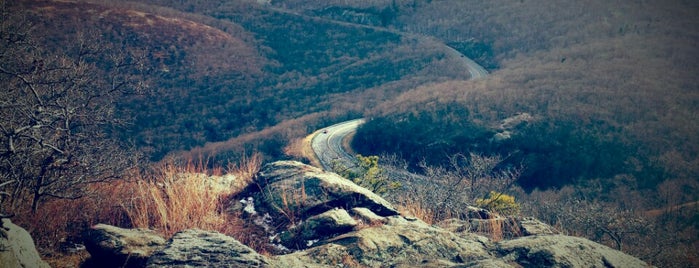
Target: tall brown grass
(412,208)
(177,198)
(175,202)
(168,199)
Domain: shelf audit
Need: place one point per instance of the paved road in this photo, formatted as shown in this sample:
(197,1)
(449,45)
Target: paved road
(327,143)
(475,71)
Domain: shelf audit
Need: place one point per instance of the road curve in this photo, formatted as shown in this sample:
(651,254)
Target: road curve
(327,143)
(475,71)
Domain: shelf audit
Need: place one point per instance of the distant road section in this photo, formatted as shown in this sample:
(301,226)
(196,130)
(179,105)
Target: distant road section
(475,71)
(327,143)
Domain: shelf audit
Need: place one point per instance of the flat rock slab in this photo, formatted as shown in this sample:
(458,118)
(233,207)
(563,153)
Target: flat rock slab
(198,248)
(111,246)
(397,242)
(563,251)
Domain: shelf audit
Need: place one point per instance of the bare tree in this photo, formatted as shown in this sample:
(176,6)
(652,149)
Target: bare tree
(446,192)
(57,108)
(580,211)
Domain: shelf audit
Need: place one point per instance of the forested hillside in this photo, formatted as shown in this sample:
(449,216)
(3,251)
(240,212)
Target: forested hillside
(238,68)
(309,65)
(611,88)
(590,105)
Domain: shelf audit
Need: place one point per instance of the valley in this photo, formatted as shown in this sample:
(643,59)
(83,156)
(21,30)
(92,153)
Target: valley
(117,92)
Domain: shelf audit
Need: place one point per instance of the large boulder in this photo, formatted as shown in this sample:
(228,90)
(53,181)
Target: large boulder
(197,248)
(412,243)
(17,247)
(563,251)
(295,190)
(398,242)
(111,246)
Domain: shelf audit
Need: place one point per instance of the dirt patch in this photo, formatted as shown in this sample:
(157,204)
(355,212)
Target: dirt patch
(304,150)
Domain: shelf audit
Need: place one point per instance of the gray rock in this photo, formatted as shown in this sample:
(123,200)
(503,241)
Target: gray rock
(404,243)
(398,242)
(367,216)
(563,251)
(483,221)
(516,121)
(198,248)
(333,221)
(224,183)
(532,226)
(297,191)
(112,246)
(321,226)
(17,247)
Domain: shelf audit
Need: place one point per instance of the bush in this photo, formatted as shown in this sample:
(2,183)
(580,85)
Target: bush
(499,202)
(368,174)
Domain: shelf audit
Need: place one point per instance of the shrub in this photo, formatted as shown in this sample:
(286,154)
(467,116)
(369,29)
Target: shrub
(367,173)
(499,202)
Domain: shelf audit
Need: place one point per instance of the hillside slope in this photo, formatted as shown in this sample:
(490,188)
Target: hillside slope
(624,86)
(262,65)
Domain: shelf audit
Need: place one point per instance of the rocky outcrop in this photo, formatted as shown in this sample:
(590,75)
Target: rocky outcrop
(17,247)
(484,222)
(290,187)
(511,125)
(400,241)
(324,225)
(366,216)
(390,240)
(111,246)
(563,251)
(197,248)
(336,223)
(531,226)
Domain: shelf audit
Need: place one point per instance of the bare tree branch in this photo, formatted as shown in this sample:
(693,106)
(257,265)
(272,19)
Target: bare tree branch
(55,112)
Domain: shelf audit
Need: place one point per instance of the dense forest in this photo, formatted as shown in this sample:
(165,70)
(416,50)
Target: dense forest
(595,103)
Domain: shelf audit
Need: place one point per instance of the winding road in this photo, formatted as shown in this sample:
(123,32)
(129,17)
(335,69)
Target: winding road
(327,144)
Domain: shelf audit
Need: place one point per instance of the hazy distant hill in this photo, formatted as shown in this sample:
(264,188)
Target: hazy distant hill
(236,68)
(613,86)
(609,89)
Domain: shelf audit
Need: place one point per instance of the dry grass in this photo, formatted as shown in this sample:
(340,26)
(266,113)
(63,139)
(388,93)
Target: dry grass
(411,208)
(496,229)
(180,198)
(176,202)
(301,148)
(170,199)
(245,169)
